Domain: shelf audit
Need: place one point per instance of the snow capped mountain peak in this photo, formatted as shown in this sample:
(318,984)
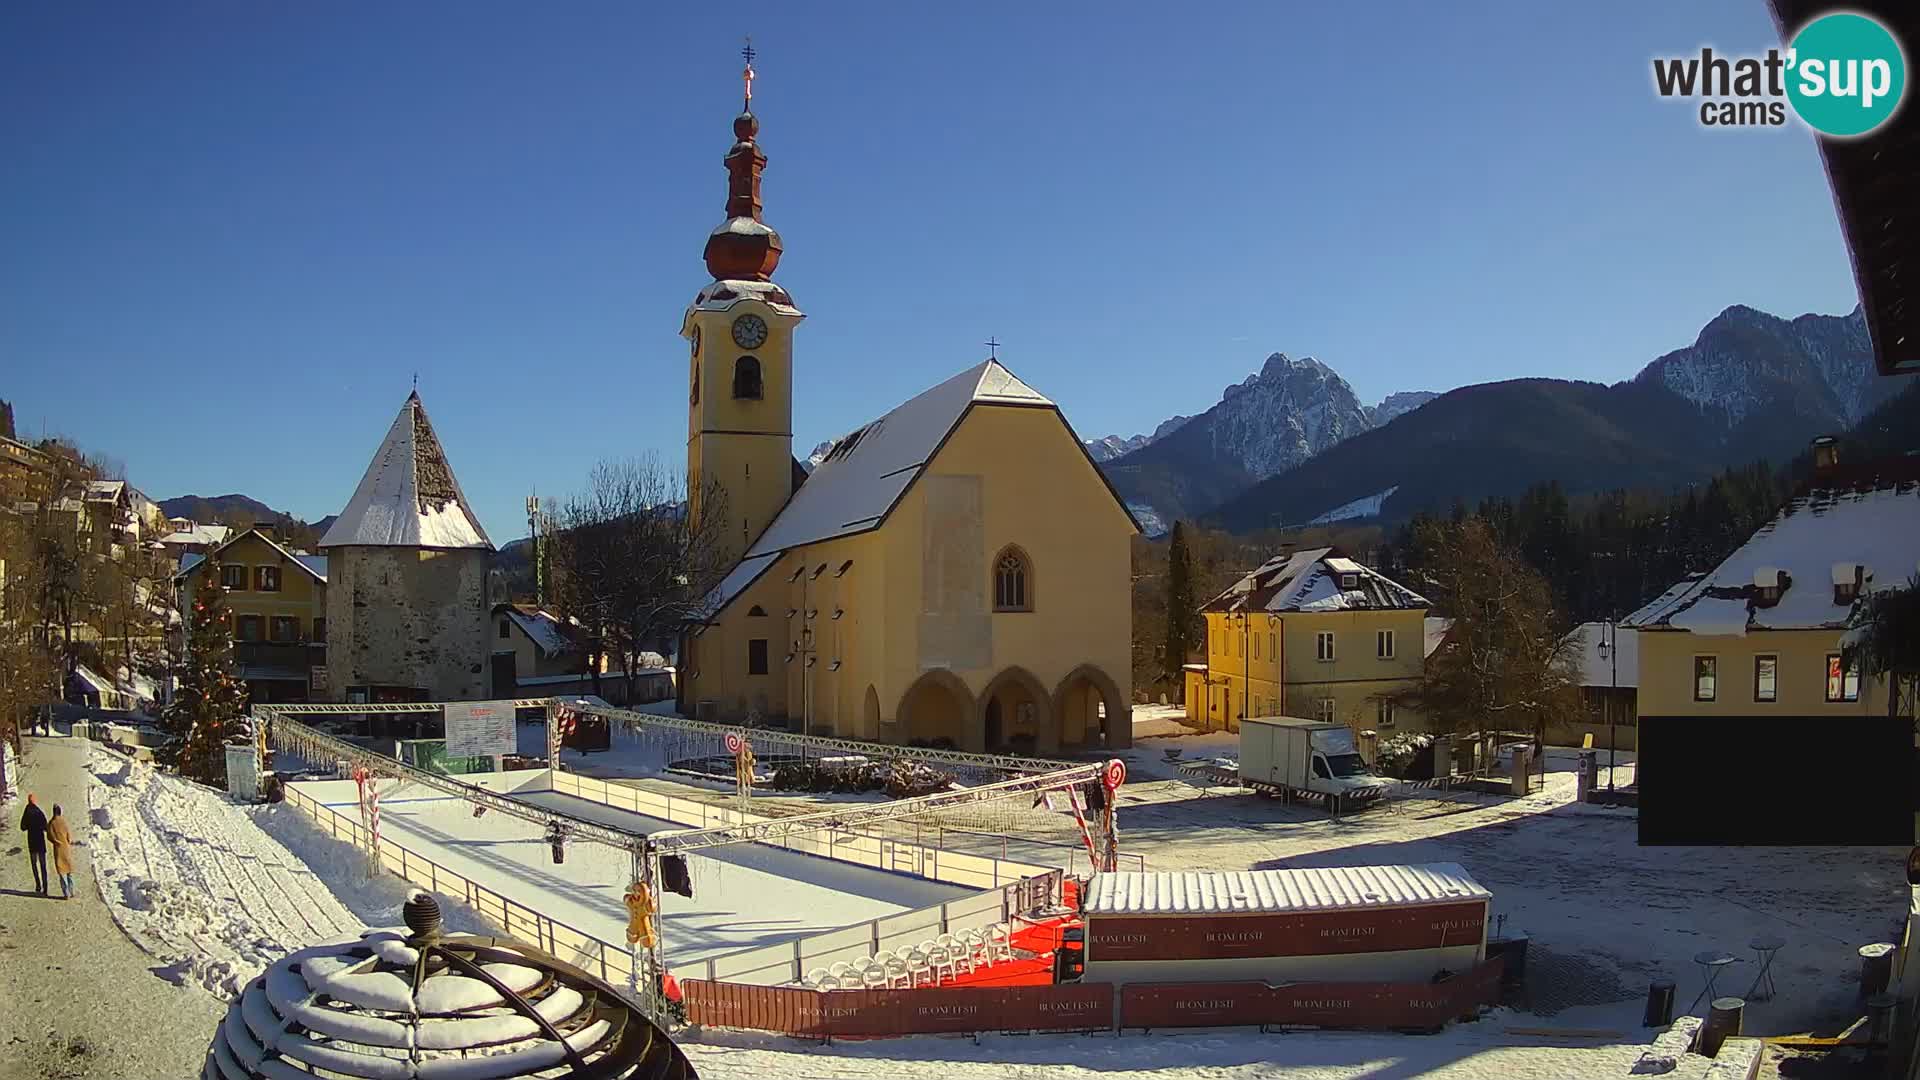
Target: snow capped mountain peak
(1746,363)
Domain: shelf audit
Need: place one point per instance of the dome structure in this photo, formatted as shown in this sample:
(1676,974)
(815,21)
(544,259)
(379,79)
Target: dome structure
(389,1006)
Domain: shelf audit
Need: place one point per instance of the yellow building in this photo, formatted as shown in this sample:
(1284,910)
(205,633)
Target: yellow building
(278,599)
(952,573)
(1312,634)
(1760,635)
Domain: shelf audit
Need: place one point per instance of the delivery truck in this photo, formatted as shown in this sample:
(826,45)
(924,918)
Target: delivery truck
(1297,758)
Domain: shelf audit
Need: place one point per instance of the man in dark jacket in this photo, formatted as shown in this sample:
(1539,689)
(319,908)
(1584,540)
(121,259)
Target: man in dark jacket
(34,824)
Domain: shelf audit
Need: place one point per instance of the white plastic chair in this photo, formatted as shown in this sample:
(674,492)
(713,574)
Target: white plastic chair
(815,979)
(899,972)
(875,975)
(920,965)
(940,958)
(999,943)
(841,973)
(976,945)
(957,950)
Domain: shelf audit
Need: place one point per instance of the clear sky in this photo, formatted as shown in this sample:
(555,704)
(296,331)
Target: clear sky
(231,233)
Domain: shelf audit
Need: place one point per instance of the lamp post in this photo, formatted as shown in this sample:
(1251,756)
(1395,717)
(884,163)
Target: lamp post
(1610,649)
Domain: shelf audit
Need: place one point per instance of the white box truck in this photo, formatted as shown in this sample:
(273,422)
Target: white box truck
(1293,757)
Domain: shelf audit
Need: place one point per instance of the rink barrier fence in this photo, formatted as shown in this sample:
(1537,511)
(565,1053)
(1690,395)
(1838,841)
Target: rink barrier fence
(787,961)
(856,848)
(826,1014)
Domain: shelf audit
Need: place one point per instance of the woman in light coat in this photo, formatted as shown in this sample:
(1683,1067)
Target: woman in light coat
(60,839)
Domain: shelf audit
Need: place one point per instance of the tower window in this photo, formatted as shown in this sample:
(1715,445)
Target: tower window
(746,378)
(1012,581)
(757,656)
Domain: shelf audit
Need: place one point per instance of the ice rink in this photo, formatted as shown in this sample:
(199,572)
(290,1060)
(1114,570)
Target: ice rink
(744,896)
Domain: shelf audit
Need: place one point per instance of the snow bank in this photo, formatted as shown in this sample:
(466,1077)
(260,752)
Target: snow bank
(190,880)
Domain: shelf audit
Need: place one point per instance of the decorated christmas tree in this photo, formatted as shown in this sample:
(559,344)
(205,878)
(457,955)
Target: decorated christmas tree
(209,707)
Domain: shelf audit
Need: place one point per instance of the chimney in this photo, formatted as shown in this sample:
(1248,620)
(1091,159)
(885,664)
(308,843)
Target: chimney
(1826,453)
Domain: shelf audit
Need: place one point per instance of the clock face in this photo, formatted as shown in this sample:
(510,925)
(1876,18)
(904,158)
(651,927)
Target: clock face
(749,331)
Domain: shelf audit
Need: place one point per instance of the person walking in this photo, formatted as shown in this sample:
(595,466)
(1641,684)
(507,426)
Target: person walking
(34,824)
(61,839)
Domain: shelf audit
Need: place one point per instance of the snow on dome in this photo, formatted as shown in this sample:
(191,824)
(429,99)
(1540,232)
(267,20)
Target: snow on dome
(409,496)
(721,295)
(744,226)
(388,1006)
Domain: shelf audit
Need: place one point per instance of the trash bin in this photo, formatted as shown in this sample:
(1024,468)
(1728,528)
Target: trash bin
(1659,1004)
(1723,1022)
(1876,967)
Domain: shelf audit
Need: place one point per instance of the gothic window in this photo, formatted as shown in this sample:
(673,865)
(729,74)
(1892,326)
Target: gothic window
(1012,581)
(746,378)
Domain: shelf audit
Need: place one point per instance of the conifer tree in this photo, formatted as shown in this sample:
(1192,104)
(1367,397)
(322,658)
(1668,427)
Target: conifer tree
(1180,607)
(209,709)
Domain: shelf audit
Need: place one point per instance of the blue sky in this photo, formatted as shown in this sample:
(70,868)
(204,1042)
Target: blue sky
(233,232)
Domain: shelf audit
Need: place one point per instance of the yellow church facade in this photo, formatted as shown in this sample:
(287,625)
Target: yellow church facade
(954,573)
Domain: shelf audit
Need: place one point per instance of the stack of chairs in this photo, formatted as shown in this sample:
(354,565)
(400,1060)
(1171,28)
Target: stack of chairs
(926,964)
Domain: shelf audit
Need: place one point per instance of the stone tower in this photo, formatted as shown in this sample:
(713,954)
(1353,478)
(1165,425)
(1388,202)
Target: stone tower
(740,330)
(407,562)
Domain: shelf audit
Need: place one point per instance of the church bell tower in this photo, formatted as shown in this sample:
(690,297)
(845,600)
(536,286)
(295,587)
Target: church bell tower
(740,336)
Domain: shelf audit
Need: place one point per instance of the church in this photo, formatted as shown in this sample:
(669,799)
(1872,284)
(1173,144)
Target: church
(955,573)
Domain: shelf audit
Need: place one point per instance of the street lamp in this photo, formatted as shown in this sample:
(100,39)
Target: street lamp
(1610,652)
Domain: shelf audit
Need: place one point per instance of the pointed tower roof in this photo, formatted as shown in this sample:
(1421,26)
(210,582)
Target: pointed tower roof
(409,497)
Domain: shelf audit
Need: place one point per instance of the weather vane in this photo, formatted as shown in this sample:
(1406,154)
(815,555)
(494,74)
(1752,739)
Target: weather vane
(747,75)
(993,345)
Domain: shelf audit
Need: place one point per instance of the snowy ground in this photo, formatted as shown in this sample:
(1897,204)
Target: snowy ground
(744,896)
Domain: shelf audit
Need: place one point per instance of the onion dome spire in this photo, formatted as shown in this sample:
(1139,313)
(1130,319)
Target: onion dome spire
(743,247)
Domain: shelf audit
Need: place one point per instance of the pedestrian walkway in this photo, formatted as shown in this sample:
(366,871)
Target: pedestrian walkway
(77,998)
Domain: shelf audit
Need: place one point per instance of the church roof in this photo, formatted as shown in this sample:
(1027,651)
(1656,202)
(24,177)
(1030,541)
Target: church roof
(409,496)
(867,471)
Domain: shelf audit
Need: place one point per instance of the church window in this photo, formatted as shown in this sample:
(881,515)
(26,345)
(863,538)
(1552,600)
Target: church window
(1012,581)
(504,633)
(757,656)
(746,378)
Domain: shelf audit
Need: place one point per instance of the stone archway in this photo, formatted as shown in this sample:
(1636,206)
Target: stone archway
(937,707)
(1016,715)
(1093,713)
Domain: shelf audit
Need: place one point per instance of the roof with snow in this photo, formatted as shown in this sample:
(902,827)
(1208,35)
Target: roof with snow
(312,564)
(1436,633)
(1606,667)
(103,490)
(1192,892)
(199,534)
(1316,579)
(542,628)
(409,496)
(859,481)
(93,680)
(721,295)
(1865,517)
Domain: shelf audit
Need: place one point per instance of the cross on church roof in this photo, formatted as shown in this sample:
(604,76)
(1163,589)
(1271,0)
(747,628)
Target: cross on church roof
(993,346)
(747,75)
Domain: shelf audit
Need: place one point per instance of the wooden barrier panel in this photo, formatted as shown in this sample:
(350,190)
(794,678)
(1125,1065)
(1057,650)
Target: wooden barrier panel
(925,1011)
(1371,1006)
(1306,933)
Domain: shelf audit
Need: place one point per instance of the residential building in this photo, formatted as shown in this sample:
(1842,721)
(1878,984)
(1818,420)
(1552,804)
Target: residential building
(185,536)
(278,599)
(1607,656)
(1760,635)
(1312,633)
(411,596)
(954,572)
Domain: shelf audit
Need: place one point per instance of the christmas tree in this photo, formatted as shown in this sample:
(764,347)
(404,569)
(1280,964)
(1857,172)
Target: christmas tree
(209,708)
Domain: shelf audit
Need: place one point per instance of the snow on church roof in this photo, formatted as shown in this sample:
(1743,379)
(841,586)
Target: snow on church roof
(866,472)
(409,496)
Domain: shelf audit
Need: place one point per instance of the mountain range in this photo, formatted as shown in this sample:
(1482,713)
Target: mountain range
(1292,445)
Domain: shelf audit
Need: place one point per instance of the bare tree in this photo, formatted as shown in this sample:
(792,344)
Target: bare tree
(631,564)
(1507,663)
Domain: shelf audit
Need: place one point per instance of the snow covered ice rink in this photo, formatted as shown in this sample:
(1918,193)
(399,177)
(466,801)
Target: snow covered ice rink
(744,895)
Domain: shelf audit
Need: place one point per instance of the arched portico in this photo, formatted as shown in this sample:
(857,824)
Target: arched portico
(938,706)
(1015,712)
(1093,713)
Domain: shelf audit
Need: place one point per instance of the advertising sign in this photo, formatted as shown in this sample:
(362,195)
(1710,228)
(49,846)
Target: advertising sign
(479,728)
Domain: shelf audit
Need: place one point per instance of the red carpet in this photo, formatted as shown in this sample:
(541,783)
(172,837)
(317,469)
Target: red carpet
(1040,938)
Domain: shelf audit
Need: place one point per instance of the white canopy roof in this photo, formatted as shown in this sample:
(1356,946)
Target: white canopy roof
(1191,892)
(409,496)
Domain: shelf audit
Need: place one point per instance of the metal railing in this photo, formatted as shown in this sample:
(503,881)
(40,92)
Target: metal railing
(610,961)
